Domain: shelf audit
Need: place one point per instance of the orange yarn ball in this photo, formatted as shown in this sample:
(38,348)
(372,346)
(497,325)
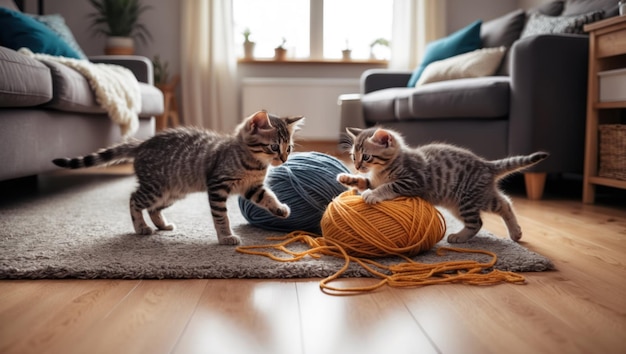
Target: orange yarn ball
(406,225)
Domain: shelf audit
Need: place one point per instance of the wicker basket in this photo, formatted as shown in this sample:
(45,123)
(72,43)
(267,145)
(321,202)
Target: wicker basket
(613,151)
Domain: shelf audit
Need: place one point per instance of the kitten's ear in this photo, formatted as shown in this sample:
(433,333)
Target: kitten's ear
(345,142)
(382,137)
(353,132)
(259,120)
(293,123)
(291,120)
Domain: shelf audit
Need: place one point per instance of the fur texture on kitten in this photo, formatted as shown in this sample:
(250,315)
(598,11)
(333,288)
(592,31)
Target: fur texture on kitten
(183,160)
(442,174)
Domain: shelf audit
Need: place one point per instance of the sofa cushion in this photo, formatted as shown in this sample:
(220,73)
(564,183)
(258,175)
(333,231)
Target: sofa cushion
(553,8)
(579,7)
(503,31)
(72,93)
(379,106)
(151,100)
(485,98)
(462,41)
(541,24)
(24,81)
(478,63)
(482,97)
(20,30)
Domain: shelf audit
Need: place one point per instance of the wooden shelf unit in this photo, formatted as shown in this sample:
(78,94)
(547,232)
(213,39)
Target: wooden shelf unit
(607,51)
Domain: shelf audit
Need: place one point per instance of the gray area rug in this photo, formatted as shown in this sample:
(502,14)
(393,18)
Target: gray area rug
(84,231)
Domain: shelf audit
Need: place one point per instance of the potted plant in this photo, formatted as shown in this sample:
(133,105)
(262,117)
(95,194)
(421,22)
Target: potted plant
(167,84)
(280,52)
(248,45)
(161,71)
(379,42)
(346,54)
(118,20)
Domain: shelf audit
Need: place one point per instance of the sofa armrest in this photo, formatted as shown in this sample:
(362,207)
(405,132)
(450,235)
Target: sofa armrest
(549,99)
(378,79)
(139,65)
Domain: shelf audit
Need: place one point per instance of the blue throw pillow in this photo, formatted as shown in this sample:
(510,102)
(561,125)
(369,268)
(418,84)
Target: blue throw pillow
(20,30)
(57,24)
(462,41)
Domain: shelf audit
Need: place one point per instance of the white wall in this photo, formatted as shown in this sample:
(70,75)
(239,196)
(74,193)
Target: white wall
(314,98)
(461,13)
(527,4)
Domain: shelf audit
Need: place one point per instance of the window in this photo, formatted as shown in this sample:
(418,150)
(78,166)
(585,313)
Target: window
(357,24)
(315,28)
(269,21)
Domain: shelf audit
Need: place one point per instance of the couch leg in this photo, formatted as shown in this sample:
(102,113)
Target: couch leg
(535,182)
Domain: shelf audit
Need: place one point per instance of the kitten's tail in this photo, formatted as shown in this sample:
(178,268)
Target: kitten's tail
(119,153)
(512,164)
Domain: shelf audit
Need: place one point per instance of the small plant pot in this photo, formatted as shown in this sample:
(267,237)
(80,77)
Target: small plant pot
(346,54)
(119,46)
(280,54)
(248,50)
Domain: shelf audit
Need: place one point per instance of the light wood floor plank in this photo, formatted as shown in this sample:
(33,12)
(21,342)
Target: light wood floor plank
(586,321)
(22,313)
(244,316)
(439,317)
(595,267)
(494,317)
(149,320)
(598,230)
(46,317)
(12,292)
(368,323)
(602,268)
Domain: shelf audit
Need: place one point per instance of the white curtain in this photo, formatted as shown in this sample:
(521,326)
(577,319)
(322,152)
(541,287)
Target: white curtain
(208,65)
(415,24)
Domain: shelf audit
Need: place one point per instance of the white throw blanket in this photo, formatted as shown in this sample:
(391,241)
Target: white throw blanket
(115,87)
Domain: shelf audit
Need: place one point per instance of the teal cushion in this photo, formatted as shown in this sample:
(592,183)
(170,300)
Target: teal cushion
(57,24)
(20,30)
(462,41)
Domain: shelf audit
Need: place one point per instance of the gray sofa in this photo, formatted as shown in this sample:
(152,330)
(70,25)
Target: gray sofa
(536,101)
(48,110)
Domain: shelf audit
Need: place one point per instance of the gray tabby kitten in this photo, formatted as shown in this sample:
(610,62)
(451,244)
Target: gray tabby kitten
(443,175)
(179,161)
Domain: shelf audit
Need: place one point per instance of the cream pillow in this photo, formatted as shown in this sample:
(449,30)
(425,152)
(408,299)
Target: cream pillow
(481,62)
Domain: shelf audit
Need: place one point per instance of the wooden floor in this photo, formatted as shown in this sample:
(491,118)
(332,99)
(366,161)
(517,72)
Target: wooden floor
(578,308)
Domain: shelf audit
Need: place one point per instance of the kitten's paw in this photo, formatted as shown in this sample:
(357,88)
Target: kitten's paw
(343,178)
(370,197)
(167,227)
(461,236)
(143,230)
(351,181)
(230,240)
(282,211)
(347,180)
(516,235)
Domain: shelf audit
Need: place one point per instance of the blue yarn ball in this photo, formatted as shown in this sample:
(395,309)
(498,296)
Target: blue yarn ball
(307,183)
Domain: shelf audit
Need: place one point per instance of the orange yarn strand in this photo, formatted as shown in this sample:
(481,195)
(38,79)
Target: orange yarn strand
(403,227)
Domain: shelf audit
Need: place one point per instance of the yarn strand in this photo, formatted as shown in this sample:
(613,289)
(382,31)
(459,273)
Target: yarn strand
(408,274)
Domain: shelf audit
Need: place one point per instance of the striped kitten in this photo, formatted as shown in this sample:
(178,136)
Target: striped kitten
(179,161)
(444,175)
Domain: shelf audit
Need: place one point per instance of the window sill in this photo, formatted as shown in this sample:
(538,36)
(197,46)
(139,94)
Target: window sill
(374,62)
